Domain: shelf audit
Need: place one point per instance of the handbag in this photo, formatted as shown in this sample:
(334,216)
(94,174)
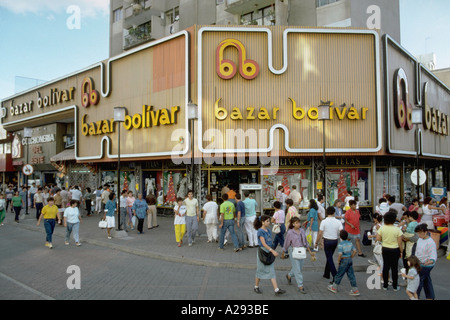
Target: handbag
(276,228)
(366,241)
(299,253)
(378,248)
(133,221)
(102,224)
(266,258)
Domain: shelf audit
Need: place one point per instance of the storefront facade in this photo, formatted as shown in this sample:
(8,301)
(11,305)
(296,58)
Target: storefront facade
(257,92)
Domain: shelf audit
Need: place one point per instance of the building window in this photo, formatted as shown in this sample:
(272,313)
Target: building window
(321,3)
(260,17)
(172,15)
(118,15)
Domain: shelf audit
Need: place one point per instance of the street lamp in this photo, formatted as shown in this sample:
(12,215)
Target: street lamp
(417,120)
(192,113)
(27,133)
(324,114)
(119,117)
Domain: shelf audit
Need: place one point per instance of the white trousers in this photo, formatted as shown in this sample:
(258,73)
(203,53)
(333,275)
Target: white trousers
(251,232)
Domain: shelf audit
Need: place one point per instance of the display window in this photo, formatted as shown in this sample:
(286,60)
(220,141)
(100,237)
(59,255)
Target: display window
(301,179)
(340,181)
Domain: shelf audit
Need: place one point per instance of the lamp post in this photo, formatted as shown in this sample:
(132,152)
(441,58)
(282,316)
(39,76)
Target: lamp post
(324,115)
(417,120)
(192,111)
(119,117)
(27,133)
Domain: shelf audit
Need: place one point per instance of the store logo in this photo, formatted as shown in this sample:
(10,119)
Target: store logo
(402,106)
(226,69)
(89,96)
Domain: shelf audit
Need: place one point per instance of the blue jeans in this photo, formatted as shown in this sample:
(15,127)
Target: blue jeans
(329,248)
(241,232)
(426,283)
(346,267)
(296,270)
(228,225)
(49,225)
(39,206)
(279,238)
(75,227)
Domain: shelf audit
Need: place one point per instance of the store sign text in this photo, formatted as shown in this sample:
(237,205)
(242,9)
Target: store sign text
(148,119)
(298,113)
(55,97)
(433,119)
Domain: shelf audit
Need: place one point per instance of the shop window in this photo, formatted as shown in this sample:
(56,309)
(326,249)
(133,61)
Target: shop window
(287,178)
(340,181)
(221,179)
(174,185)
(260,17)
(127,181)
(388,182)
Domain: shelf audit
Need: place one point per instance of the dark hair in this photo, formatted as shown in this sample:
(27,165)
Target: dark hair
(258,221)
(343,234)
(280,188)
(427,200)
(382,200)
(390,216)
(88,189)
(71,202)
(180,199)
(238,196)
(414,215)
(330,211)
(225,197)
(415,263)
(289,202)
(246,193)
(313,204)
(320,197)
(208,197)
(124,191)
(111,196)
(50,199)
(378,217)
(293,220)
(421,228)
(352,202)
(150,199)
(391,199)
(443,200)
(415,200)
(190,191)
(349,192)
(277,204)
(337,201)
(39,189)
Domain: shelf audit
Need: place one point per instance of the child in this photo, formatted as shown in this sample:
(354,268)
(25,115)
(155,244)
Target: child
(180,221)
(346,251)
(413,277)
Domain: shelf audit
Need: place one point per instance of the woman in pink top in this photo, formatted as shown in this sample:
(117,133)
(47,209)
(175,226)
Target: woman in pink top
(130,202)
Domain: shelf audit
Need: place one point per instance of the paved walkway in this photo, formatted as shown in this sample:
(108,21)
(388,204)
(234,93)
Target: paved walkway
(160,243)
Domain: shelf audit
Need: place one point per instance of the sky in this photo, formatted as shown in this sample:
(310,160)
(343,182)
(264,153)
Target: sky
(48,39)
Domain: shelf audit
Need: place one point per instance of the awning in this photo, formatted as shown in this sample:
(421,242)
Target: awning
(66,155)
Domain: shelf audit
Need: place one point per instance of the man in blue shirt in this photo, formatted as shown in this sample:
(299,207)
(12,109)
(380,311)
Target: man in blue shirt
(250,216)
(346,251)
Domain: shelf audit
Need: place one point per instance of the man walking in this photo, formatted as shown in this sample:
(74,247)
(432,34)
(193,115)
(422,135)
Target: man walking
(240,209)
(352,217)
(192,217)
(329,229)
(38,199)
(250,216)
(296,197)
(226,220)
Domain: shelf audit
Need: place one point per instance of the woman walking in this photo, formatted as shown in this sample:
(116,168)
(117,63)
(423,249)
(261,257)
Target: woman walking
(17,205)
(152,221)
(392,242)
(313,221)
(88,196)
(109,216)
(140,208)
(278,218)
(265,243)
(296,237)
(426,252)
(49,213)
(72,220)
(130,202)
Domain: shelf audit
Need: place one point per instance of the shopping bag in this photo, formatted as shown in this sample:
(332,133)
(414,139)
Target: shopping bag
(133,221)
(102,224)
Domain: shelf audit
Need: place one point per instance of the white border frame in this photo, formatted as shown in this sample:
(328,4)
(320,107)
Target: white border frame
(279,72)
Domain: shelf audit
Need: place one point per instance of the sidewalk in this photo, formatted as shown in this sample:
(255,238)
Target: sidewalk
(159,243)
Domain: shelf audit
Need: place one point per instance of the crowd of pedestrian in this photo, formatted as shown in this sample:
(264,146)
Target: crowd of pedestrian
(399,235)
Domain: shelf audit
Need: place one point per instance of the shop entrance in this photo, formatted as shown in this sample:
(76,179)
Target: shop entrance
(222,180)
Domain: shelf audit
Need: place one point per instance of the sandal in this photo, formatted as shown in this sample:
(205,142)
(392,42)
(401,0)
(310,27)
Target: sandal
(289,279)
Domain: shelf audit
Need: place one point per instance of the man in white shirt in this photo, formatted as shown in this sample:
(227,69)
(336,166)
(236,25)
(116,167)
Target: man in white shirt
(320,203)
(296,197)
(192,217)
(32,192)
(329,229)
(76,193)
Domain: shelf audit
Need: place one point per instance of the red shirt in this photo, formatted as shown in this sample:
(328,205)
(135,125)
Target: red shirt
(353,218)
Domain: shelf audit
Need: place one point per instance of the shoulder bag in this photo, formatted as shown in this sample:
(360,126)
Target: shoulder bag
(299,253)
(276,228)
(266,258)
